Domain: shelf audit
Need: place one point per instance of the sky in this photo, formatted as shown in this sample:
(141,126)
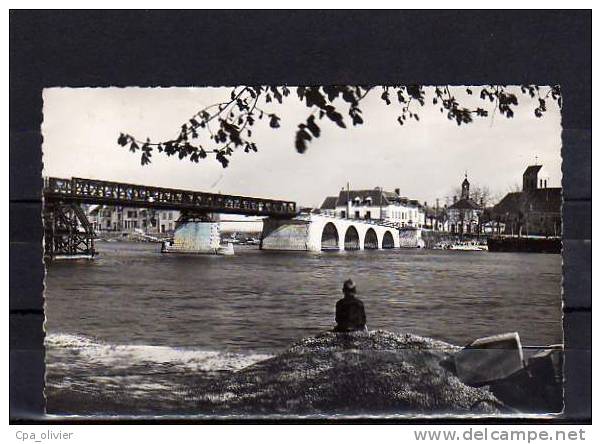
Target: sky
(425,159)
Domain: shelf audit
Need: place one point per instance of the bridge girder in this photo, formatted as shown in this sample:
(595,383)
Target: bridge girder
(129,195)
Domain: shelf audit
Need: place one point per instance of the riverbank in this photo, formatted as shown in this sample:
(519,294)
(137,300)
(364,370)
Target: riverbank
(380,373)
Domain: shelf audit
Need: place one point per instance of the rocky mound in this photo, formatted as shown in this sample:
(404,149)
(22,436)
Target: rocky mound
(376,373)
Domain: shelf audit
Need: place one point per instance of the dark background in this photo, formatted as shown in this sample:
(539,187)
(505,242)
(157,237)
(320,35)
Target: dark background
(198,48)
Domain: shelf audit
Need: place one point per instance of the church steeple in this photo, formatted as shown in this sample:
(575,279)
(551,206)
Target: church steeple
(465,188)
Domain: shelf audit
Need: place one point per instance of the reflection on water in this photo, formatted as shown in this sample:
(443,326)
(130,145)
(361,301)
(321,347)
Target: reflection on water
(262,301)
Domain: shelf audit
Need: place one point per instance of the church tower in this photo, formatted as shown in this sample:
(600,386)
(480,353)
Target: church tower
(465,188)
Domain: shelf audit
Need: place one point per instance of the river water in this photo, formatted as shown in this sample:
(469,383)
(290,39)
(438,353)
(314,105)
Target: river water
(133,306)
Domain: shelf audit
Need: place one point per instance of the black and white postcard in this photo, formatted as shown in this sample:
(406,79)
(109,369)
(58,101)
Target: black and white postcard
(303,251)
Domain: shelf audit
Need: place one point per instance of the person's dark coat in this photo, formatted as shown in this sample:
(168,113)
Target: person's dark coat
(350,314)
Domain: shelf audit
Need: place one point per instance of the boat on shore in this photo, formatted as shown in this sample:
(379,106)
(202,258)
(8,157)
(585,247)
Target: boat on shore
(461,246)
(468,246)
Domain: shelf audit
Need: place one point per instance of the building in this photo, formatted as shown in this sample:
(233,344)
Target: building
(328,207)
(375,204)
(107,218)
(464,214)
(437,218)
(534,211)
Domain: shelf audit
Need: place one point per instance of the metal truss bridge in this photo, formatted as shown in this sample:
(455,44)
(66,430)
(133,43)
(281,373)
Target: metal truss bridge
(68,231)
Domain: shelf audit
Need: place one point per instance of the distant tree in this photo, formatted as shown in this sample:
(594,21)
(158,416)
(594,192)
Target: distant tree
(220,129)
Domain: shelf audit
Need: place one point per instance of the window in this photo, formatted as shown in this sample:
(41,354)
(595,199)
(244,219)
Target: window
(170,216)
(357,215)
(368,215)
(343,214)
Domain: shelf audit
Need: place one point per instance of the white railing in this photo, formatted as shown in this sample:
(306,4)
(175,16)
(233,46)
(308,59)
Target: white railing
(377,222)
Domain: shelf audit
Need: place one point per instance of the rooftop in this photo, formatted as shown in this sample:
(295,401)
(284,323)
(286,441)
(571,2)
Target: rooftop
(465,204)
(545,200)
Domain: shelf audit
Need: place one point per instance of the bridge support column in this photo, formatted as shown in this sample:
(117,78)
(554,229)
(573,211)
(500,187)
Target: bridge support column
(195,237)
(285,234)
(67,232)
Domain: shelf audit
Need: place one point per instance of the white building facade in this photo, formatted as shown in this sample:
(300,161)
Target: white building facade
(375,204)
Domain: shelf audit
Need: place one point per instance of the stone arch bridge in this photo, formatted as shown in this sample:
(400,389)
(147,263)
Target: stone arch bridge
(326,233)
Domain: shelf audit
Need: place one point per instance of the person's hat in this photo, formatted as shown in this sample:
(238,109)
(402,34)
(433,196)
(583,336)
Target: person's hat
(349,285)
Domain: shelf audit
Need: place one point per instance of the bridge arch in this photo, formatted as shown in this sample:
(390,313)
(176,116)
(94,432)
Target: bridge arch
(371,240)
(388,240)
(329,237)
(351,239)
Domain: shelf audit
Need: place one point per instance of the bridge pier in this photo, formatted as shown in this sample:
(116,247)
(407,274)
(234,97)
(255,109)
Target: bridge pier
(286,234)
(191,236)
(67,232)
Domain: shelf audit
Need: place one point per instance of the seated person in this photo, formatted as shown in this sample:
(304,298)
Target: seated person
(350,313)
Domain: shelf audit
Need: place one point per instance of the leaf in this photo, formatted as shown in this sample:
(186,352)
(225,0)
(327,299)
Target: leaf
(416,92)
(274,121)
(481,112)
(276,94)
(335,116)
(302,137)
(349,97)
(313,97)
(400,96)
(355,114)
(220,157)
(312,126)
(123,139)
(386,97)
